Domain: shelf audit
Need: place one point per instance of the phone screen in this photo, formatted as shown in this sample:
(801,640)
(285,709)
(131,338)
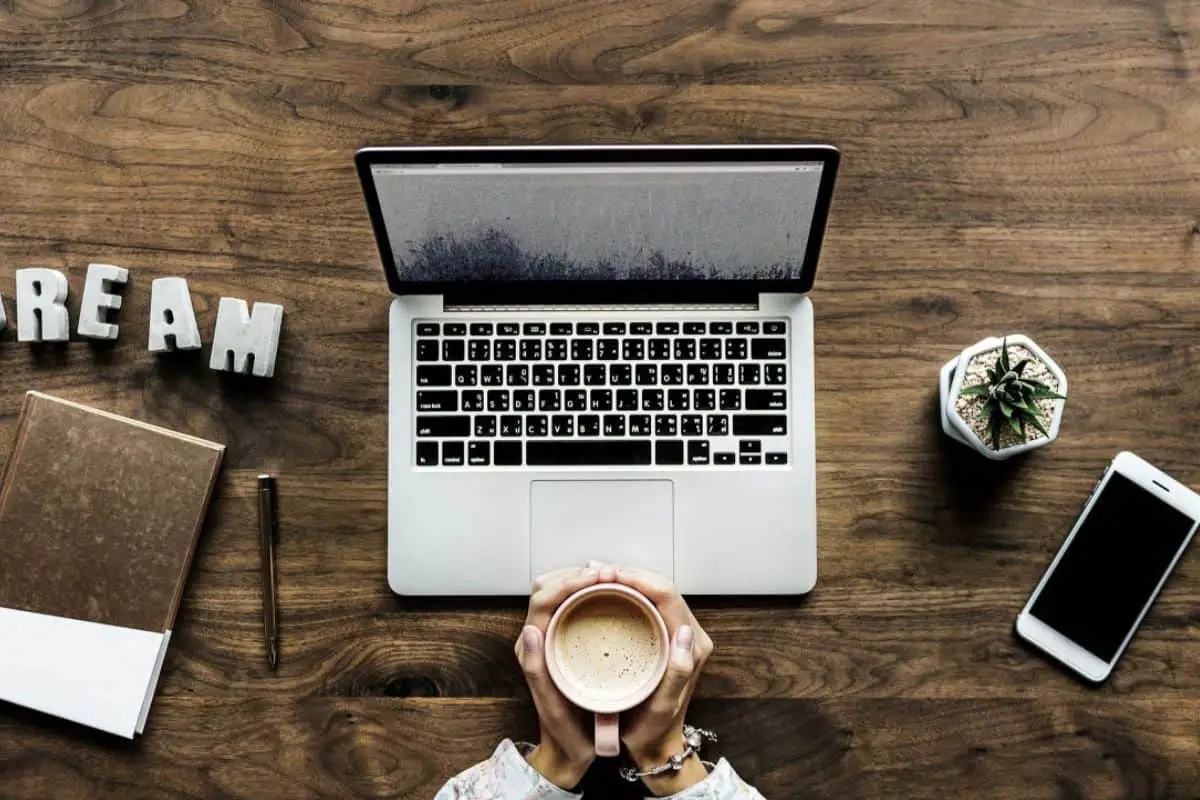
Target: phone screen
(1112,566)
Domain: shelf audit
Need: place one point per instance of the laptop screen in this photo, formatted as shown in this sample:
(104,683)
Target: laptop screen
(456,222)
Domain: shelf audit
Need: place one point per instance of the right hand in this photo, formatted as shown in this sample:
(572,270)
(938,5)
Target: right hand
(566,749)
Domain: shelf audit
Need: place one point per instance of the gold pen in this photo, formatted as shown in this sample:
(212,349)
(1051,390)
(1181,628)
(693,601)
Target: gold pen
(268,532)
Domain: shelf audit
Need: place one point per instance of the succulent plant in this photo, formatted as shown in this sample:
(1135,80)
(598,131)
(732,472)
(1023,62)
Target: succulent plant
(1011,397)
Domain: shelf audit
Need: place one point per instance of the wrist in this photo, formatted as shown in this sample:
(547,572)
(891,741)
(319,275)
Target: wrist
(671,782)
(556,767)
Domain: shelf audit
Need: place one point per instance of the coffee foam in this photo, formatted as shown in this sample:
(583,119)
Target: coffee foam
(607,647)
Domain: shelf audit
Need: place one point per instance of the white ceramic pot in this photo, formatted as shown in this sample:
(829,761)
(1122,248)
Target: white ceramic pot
(951,384)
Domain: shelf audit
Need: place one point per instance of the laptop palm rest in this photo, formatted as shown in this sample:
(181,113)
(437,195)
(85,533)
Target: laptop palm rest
(620,522)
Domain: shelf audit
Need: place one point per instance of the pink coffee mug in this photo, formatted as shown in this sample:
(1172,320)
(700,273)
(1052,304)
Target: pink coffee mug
(607,709)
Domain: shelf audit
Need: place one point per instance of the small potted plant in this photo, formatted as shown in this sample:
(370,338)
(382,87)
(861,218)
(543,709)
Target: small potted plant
(1002,397)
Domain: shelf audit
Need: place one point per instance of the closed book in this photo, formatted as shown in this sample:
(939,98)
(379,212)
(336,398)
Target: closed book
(99,521)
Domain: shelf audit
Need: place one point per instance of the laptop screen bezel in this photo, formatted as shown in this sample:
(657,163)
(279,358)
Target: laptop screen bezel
(494,292)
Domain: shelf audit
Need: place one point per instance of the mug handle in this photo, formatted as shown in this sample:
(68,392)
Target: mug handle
(608,735)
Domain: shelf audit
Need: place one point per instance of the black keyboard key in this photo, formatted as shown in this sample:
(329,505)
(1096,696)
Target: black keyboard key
(776,458)
(445,400)
(562,425)
(466,375)
(668,452)
(549,400)
(748,374)
(614,329)
(568,374)
(660,349)
(556,349)
(535,329)
(694,328)
(614,425)
(639,424)
(697,374)
(543,374)
(508,329)
(665,425)
(602,400)
(536,425)
(685,349)
(627,400)
(720,327)
(479,454)
(523,400)
(510,425)
(735,349)
(453,349)
(595,375)
(452,452)
(517,374)
(589,424)
(775,374)
(704,399)
(472,400)
(575,400)
(747,327)
(647,374)
(531,349)
(491,375)
(718,425)
(427,350)
(561,328)
(723,458)
(731,399)
(506,454)
(620,374)
(427,329)
(641,328)
(750,458)
(759,424)
(666,328)
(454,329)
(633,349)
(481,329)
(678,400)
(672,374)
(506,350)
(443,426)
(652,399)
(710,349)
(766,399)
(581,349)
(750,446)
(587,329)
(774,327)
(691,425)
(723,374)
(497,400)
(610,452)
(608,349)
(769,348)
(697,452)
(427,454)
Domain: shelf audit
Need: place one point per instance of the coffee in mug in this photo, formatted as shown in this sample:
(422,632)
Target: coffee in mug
(607,649)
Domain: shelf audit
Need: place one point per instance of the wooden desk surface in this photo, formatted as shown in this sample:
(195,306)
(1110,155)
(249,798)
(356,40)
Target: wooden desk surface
(1008,167)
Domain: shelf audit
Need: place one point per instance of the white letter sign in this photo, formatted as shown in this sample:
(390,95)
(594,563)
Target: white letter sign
(98,300)
(245,341)
(172,316)
(41,306)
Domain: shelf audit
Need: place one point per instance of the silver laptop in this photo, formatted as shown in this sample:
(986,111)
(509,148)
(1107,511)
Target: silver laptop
(600,352)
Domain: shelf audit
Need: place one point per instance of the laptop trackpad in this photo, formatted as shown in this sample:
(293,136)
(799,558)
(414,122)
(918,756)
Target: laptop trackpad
(622,522)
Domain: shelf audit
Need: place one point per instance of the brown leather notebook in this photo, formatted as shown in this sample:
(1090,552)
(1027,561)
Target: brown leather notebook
(100,515)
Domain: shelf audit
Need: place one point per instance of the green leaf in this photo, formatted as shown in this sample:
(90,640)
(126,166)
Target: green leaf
(976,391)
(995,433)
(1036,384)
(991,375)
(1004,355)
(1046,394)
(1035,422)
(1021,421)
(1020,367)
(1005,408)
(1014,422)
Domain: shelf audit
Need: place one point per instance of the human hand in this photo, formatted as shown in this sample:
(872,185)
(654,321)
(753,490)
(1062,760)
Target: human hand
(653,732)
(566,749)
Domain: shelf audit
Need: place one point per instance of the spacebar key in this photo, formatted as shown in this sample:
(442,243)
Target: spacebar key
(624,452)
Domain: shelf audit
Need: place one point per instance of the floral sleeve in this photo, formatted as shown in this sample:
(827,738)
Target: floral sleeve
(721,784)
(504,776)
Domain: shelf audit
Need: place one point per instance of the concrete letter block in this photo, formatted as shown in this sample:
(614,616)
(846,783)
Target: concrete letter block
(98,300)
(172,319)
(42,306)
(245,341)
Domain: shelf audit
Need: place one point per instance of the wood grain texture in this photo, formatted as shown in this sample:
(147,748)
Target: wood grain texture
(1008,167)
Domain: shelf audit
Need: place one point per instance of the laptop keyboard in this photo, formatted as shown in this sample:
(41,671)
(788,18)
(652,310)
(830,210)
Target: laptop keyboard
(680,393)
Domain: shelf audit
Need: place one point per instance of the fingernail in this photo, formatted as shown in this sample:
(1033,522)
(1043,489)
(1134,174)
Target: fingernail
(529,639)
(683,639)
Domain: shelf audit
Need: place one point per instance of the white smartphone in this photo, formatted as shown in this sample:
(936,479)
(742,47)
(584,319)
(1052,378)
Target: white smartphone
(1133,530)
